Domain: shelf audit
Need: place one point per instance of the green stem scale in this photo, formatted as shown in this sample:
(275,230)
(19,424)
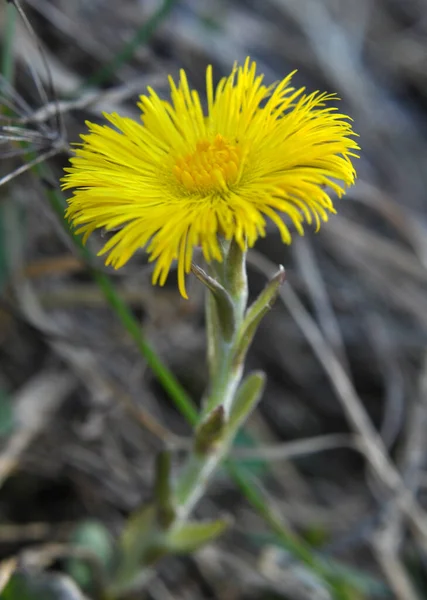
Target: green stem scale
(164,527)
(225,308)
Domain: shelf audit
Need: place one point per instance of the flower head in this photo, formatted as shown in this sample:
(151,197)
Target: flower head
(184,176)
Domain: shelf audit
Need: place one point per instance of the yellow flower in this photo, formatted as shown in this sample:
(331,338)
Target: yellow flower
(186,176)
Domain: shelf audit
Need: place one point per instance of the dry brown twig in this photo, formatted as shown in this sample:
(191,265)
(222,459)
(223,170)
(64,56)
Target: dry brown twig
(81,360)
(34,406)
(7,569)
(97,101)
(387,539)
(371,442)
(289,450)
(306,262)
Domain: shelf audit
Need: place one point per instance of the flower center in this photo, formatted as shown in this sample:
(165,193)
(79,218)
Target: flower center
(212,166)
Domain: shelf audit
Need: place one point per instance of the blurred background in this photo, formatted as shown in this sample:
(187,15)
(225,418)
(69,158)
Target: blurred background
(338,444)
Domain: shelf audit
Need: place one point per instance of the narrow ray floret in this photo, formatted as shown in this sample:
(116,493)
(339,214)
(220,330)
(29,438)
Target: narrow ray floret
(186,176)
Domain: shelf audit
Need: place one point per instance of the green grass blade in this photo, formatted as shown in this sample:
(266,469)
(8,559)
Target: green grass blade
(168,381)
(142,36)
(298,548)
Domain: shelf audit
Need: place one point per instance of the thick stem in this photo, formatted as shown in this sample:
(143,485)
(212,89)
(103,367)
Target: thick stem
(214,435)
(194,479)
(225,379)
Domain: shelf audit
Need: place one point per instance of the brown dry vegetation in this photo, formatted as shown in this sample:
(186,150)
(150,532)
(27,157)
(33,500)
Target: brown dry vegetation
(343,349)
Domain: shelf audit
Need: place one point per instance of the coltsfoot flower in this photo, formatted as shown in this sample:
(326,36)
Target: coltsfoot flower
(186,176)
